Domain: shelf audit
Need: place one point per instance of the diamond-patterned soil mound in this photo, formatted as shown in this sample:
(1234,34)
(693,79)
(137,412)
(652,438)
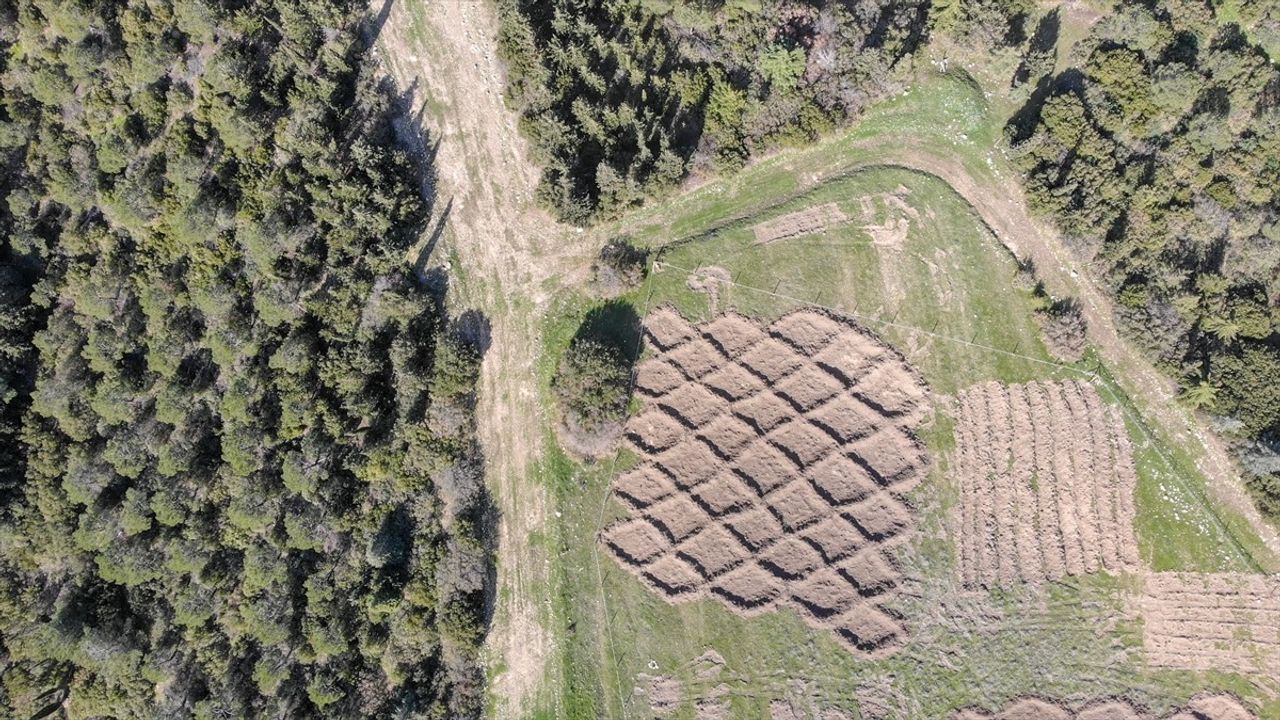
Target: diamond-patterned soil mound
(776,459)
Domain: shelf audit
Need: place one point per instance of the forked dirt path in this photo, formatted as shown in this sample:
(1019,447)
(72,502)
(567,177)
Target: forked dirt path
(510,257)
(1005,212)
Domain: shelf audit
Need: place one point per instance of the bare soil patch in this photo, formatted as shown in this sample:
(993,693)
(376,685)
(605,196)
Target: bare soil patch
(664,693)
(1204,707)
(709,280)
(1046,478)
(770,477)
(1212,622)
(799,223)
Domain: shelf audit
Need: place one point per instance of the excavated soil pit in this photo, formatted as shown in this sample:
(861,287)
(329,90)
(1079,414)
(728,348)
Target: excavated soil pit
(775,463)
(1046,479)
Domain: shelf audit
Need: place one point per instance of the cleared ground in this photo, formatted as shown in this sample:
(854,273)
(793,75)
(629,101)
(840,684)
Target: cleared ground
(916,208)
(914,262)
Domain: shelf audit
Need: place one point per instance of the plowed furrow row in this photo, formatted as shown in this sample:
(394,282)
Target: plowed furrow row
(1004,495)
(1064,479)
(1053,544)
(1104,469)
(967,469)
(1030,554)
(988,561)
(1084,476)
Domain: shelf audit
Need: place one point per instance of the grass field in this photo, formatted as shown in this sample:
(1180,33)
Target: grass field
(945,296)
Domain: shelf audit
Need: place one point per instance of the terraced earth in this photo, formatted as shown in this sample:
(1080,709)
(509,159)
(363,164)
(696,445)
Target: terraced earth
(1212,621)
(777,462)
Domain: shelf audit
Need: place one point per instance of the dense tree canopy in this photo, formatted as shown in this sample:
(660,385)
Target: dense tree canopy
(250,488)
(1168,138)
(623,98)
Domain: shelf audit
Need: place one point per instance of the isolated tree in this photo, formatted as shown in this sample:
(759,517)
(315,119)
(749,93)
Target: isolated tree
(593,384)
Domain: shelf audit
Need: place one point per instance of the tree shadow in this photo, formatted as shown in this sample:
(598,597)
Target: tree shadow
(422,149)
(614,324)
(374,23)
(1044,41)
(429,247)
(473,328)
(1023,123)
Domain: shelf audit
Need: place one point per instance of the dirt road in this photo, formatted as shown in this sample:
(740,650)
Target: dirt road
(509,256)
(1004,210)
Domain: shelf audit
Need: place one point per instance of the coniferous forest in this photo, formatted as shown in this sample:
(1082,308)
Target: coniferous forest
(239,476)
(1161,157)
(621,103)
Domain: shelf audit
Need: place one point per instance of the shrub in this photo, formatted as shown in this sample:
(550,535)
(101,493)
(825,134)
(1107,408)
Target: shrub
(593,384)
(621,265)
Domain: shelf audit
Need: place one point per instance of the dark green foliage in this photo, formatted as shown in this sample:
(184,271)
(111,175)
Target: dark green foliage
(620,266)
(246,423)
(1248,387)
(19,269)
(593,384)
(593,381)
(1163,153)
(992,23)
(622,102)
(1041,51)
(1262,21)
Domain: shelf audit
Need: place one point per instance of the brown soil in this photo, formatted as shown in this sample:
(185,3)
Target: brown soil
(644,486)
(1212,622)
(799,223)
(655,431)
(711,710)
(774,470)
(665,694)
(658,378)
(709,280)
(1046,481)
(1205,707)
(1214,707)
(1109,710)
